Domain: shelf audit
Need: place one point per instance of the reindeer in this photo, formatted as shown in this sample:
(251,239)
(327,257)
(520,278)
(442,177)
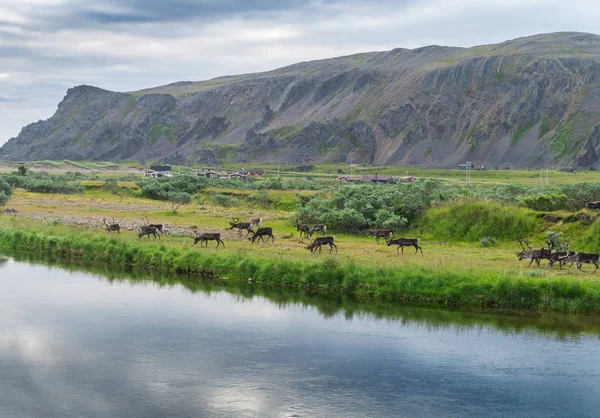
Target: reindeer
(241,226)
(256,222)
(559,256)
(113,227)
(593,205)
(261,232)
(317,229)
(554,256)
(209,236)
(319,241)
(406,242)
(581,258)
(147,230)
(303,228)
(387,234)
(162,229)
(530,253)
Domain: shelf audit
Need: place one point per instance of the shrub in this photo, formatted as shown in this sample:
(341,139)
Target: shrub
(263,200)
(178,199)
(487,242)
(546,202)
(556,241)
(160,188)
(224,200)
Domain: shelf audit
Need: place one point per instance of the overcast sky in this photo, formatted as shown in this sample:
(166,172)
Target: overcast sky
(48,46)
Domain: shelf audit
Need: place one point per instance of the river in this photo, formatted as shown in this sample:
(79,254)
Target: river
(75,342)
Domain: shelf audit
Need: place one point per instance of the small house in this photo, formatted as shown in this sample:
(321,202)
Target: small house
(237,176)
(208,174)
(159,171)
(466,166)
(377,179)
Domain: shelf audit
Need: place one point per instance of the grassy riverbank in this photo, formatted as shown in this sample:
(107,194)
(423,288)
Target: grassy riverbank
(363,278)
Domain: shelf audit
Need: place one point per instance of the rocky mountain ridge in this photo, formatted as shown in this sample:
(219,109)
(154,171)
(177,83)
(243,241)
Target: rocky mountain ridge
(529,102)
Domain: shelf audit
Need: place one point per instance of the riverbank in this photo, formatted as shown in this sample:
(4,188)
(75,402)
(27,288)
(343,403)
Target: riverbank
(423,283)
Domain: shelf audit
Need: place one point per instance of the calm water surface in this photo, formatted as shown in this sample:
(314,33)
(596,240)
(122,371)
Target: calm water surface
(77,344)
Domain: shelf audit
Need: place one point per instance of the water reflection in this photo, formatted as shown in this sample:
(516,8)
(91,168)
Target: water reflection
(511,322)
(100,343)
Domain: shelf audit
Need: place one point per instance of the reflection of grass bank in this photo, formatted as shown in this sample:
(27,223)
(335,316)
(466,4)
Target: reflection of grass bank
(517,322)
(423,284)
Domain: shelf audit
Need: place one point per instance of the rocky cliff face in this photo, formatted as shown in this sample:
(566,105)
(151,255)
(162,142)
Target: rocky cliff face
(524,103)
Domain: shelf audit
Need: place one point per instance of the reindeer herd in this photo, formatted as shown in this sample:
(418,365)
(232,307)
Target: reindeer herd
(561,257)
(255,232)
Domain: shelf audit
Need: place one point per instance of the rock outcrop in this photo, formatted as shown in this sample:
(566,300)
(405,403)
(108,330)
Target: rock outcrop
(528,102)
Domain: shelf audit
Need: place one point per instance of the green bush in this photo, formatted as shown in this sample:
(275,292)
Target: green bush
(262,199)
(160,188)
(178,199)
(45,183)
(387,206)
(3,198)
(546,202)
(487,242)
(224,200)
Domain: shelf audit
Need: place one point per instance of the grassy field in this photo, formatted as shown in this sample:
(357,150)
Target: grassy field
(327,172)
(455,273)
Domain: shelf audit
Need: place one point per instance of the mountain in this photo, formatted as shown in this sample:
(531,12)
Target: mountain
(528,102)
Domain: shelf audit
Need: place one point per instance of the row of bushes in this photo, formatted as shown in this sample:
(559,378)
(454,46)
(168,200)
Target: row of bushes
(356,207)
(41,182)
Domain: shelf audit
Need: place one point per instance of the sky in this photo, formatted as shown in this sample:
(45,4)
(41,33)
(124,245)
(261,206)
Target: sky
(48,46)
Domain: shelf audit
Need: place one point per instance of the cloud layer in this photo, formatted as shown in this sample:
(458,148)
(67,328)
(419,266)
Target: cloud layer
(48,46)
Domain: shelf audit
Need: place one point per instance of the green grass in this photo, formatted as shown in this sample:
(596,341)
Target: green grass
(470,220)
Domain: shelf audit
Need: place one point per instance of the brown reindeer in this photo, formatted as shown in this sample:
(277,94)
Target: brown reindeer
(533,255)
(162,229)
(209,236)
(581,258)
(406,242)
(386,234)
(256,222)
(593,205)
(319,241)
(241,226)
(113,227)
(261,233)
(145,230)
(317,229)
(303,228)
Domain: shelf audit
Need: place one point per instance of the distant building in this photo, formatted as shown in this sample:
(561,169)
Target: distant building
(376,179)
(159,171)
(237,176)
(466,166)
(256,173)
(208,174)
